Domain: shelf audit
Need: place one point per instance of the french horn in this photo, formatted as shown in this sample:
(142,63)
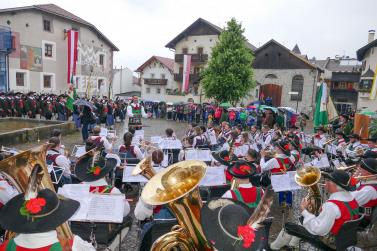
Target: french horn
(144,168)
(18,168)
(177,186)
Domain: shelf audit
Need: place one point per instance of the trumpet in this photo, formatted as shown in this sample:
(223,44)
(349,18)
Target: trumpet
(329,141)
(367,177)
(351,168)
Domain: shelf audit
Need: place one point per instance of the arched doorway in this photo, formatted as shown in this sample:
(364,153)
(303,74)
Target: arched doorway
(273,91)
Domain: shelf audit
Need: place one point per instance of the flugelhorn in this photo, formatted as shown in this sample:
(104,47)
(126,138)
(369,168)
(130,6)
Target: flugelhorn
(177,186)
(366,177)
(144,167)
(329,141)
(351,168)
(309,177)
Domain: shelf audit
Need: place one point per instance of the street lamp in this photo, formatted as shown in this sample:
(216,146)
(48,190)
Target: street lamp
(294,93)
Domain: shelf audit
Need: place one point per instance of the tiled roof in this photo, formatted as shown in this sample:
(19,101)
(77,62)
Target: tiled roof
(296,49)
(57,11)
(361,52)
(167,62)
(335,65)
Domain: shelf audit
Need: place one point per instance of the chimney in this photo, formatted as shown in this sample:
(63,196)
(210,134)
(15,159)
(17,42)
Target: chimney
(371,35)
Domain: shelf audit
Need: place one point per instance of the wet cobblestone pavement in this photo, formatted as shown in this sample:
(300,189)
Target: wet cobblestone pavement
(156,127)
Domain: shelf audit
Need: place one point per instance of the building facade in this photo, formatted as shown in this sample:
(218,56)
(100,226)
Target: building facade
(279,71)
(368,56)
(342,75)
(125,83)
(157,79)
(39,61)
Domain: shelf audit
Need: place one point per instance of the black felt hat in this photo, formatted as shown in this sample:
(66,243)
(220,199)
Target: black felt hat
(370,154)
(304,115)
(369,165)
(284,146)
(16,215)
(339,131)
(221,218)
(320,128)
(223,157)
(342,179)
(85,171)
(242,169)
(294,140)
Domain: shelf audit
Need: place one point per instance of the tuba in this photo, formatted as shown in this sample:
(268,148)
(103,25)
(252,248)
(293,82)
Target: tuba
(144,167)
(177,186)
(309,177)
(18,168)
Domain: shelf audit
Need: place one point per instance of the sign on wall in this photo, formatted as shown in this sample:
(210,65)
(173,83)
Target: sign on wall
(31,58)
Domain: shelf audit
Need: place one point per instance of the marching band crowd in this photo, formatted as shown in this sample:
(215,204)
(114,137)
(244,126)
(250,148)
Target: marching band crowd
(249,156)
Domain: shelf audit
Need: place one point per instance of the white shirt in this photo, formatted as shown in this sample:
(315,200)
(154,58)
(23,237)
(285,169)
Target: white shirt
(365,194)
(102,182)
(106,144)
(39,240)
(266,141)
(320,141)
(228,194)
(322,224)
(354,146)
(273,163)
(143,210)
(130,114)
(62,162)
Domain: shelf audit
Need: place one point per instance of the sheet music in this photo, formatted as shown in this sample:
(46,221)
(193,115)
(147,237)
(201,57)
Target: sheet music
(198,154)
(170,144)
(94,207)
(139,133)
(156,139)
(80,151)
(128,177)
(241,150)
(103,132)
(323,162)
(284,182)
(331,148)
(106,208)
(215,176)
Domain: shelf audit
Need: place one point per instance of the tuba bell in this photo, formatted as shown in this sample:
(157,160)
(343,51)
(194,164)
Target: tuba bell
(177,186)
(144,168)
(18,168)
(309,177)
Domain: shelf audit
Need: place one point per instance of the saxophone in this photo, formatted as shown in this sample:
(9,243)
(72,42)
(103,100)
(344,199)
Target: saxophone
(309,177)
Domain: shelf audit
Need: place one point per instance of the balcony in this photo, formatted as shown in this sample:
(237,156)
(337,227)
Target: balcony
(193,77)
(195,58)
(155,81)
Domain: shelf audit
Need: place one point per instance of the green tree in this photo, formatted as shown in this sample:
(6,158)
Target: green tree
(229,74)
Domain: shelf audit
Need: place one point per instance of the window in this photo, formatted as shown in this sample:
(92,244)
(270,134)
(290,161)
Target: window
(158,91)
(101,59)
(100,83)
(184,50)
(48,50)
(365,85)
(47,81)
(20,79)
(162,76)
(152,75)
(47,25)
(297,86)
(200,50)
(76,84)
(148,90)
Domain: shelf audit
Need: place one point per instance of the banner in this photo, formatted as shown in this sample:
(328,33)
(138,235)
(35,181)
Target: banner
(186,72)
(321,116)
(73,37)
(31,58)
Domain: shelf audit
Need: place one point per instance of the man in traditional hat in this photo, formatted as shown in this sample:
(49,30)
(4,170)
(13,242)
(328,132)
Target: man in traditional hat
(135,112)
(296,146)
(320,136)
(371,152)
(57,159)
(31,105)
(95,175)
(354,145)
(283,162)
(265,137)
(242,171)
(366,194)
(35,217)
(338,209)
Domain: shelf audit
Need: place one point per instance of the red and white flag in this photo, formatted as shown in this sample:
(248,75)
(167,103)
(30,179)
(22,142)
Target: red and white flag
(186,72)
(73,37)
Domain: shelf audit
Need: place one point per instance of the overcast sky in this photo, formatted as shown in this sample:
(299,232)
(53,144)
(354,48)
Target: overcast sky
(142,28)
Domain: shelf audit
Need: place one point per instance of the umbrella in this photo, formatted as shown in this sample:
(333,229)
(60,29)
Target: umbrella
(289,109)
(251,107)
(369,113)
(225,105)
(266,107)
(83,102)
(169,103)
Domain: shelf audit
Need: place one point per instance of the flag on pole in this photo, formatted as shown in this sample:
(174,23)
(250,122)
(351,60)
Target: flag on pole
(71,97)
(73,37)
(373,91)
(321,115)
(186,72)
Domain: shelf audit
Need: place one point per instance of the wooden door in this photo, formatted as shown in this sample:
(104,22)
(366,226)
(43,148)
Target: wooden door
(273,91)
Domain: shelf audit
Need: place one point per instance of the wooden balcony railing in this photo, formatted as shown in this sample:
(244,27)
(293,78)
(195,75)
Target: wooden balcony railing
(155,81)
(193,77)
(195,58)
